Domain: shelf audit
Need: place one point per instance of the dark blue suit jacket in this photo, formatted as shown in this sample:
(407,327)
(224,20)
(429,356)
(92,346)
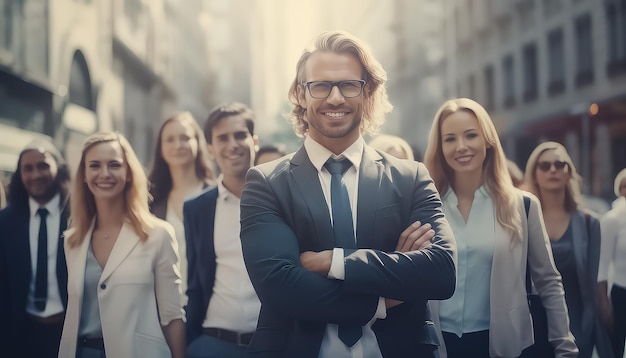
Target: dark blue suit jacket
(16,273)
(283,213)
(199,219)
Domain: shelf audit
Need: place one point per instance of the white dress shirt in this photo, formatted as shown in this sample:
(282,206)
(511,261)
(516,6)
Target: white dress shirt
(54,305)
(332,346)
(234,304)
(613,246)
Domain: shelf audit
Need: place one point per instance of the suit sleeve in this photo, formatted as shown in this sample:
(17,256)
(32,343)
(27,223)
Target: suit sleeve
(548,284)
(167,277)
(272,256)
(194,290)
(428,274)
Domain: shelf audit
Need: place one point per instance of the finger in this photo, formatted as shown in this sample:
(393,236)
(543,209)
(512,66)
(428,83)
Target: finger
(406,233)
(414,237)
(425,241)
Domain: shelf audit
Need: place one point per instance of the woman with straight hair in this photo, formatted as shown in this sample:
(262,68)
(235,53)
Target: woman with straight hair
(123,285)
(488,315)
(575,240)
(180,170)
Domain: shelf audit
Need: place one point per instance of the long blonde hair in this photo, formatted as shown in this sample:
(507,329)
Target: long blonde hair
(376,101)
(83,205)
(495,172)
(572,188)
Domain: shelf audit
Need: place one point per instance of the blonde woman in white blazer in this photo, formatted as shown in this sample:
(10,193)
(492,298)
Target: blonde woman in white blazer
(123,285)
(488,315)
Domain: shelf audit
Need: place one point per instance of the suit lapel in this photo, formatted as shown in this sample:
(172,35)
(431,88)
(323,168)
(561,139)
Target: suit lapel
(21,242)
(124,244)
(370,179)
(78,258)
(307,180)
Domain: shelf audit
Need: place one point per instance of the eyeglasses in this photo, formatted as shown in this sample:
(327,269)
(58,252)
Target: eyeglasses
(322,89)
(546,166)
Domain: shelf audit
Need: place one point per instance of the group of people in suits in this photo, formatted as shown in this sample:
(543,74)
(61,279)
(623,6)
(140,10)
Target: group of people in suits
(336,250)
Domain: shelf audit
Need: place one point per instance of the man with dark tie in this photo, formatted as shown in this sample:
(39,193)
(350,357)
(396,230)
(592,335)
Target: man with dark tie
(33,274)
(344,244)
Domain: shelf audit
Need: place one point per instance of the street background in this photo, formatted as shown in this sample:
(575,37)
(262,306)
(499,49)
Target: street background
(545,69)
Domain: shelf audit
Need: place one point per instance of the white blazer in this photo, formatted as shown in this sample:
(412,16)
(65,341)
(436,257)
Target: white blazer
(137,293)
(510,327)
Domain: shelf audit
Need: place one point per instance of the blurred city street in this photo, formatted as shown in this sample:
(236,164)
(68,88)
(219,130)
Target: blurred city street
(545,69)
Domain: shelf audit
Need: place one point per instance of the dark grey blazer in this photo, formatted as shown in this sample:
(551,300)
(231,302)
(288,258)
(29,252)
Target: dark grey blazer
(586,243)
(283,213)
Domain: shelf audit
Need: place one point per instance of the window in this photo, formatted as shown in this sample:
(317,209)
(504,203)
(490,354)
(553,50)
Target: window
(616,36)
(489,88)
(584,50)
(556,58)
(509,81)
(530,72)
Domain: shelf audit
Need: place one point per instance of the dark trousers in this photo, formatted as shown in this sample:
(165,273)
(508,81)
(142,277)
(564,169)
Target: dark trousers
(618,338)
(43,339)
(475,344)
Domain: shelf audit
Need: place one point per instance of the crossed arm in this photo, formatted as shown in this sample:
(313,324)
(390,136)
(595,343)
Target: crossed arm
(415,237)
(292,284)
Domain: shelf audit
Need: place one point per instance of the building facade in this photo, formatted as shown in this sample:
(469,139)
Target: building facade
(69,68)
(546,70)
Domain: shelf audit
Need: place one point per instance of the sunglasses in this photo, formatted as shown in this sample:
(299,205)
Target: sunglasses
(546,166)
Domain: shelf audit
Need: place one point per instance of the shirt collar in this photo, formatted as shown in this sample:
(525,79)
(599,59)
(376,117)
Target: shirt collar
(222,192)
(318,154)
(52,206)
(450,195)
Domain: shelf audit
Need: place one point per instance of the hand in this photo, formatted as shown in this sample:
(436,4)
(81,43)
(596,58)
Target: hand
(415,237)
(606,315)
(318,262)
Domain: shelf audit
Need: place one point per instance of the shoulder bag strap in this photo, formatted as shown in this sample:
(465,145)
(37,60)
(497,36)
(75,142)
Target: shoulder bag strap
(528,284)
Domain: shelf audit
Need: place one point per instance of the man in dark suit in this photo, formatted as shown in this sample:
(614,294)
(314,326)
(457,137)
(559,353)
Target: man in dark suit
(328,290)
(223,308)
(33,274)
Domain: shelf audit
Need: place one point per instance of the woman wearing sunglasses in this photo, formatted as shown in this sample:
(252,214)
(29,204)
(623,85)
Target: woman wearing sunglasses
(575,240)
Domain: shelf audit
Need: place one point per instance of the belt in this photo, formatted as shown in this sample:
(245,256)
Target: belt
(54,319)
(94,343)
(241,339)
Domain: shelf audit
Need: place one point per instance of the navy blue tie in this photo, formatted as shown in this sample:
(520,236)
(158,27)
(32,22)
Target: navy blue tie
(41,275)
(343,230)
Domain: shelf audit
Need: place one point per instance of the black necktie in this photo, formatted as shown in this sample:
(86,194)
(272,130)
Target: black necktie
(343,229)
(41,277)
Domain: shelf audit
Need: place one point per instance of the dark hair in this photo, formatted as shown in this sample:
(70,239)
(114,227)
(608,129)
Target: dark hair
(226,110)
(17,194)
(160,178)
(268,149)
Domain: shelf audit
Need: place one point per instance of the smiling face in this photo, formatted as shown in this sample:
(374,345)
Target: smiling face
(463,143)
(179,145)
(106,171)
(38,171)
(232,146)
(335,120)
(557,175)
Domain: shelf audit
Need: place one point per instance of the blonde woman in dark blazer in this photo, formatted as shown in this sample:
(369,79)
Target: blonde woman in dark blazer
(123,285)
(575,240)
(488,314)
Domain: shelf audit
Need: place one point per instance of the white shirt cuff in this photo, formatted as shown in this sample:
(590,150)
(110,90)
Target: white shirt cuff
(337,270)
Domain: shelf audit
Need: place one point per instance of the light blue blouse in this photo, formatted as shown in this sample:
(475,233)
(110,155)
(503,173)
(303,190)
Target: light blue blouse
(468,309)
